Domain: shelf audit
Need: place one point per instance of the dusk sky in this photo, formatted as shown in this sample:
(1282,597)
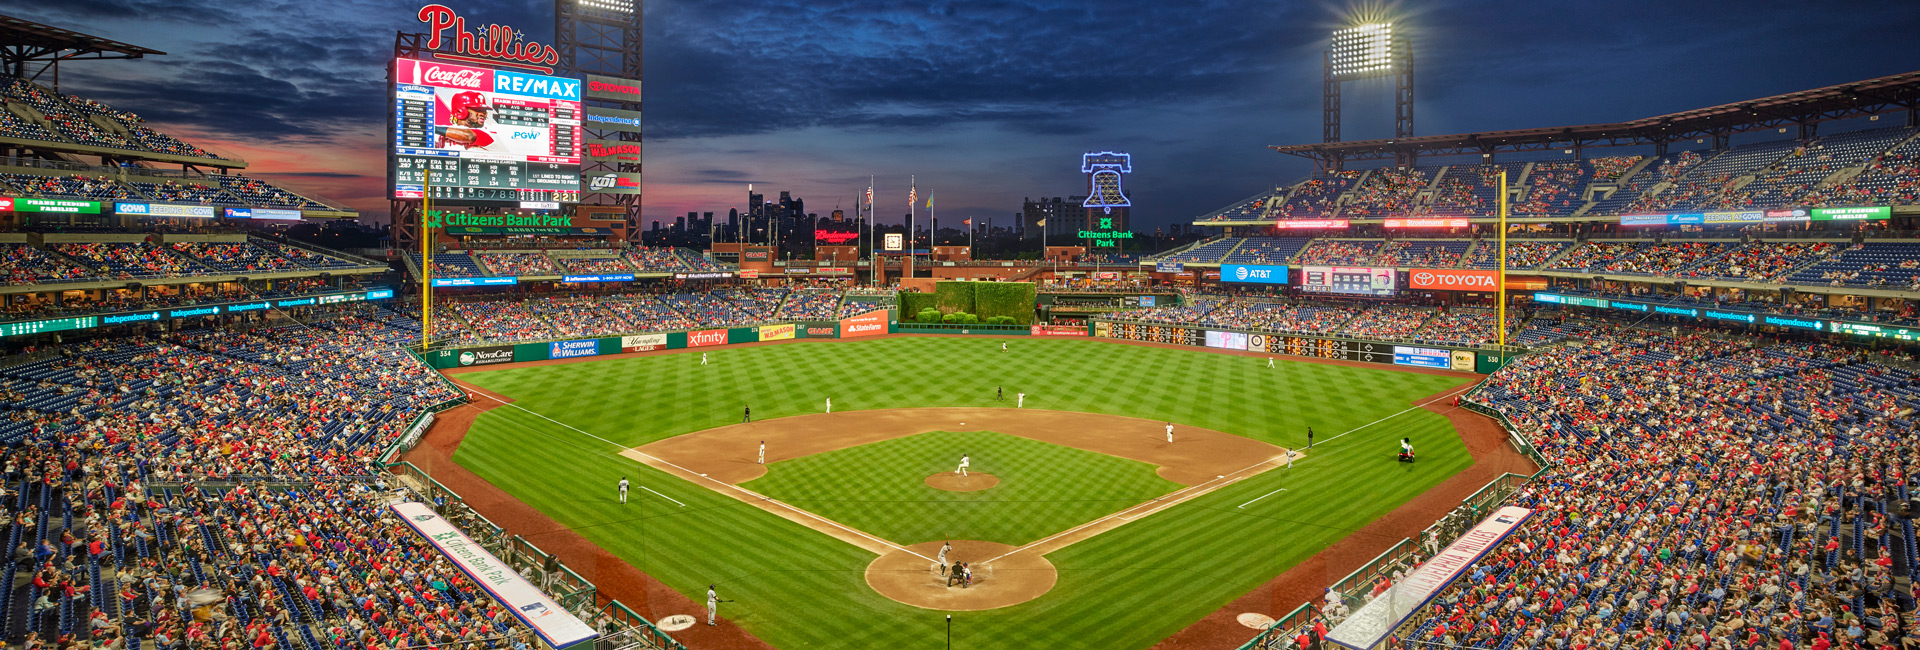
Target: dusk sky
(986,101)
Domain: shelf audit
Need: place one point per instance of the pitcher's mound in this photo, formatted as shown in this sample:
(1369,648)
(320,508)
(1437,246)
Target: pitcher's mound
(916,581)
(972,482)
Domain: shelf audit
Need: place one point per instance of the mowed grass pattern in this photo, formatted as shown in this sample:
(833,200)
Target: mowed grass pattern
(881,488)
(1126,588)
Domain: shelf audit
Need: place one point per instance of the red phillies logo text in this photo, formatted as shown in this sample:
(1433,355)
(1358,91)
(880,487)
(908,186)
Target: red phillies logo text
(492,41)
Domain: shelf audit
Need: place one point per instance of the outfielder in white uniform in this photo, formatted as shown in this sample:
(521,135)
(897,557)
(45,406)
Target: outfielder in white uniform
(703,358)
(763,452)
(1003,346)
(623,489)
(963,465)
(829,405)
(1169,432)
(943,557)
(1269,362)
(713,604)
(1020,401)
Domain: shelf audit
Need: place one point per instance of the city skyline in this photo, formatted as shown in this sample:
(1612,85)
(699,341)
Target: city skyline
(985,104)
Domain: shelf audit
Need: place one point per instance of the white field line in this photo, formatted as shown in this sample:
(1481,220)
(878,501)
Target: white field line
(643,487)
(691,475)
(1263,496)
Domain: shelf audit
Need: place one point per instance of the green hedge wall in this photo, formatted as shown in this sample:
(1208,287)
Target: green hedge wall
(952,296)
(1014,299)
(911,303)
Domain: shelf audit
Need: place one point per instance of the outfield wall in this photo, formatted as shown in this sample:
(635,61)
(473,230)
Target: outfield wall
(1307,345)
(869,324)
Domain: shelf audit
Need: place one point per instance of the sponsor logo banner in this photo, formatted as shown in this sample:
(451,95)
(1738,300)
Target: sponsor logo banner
(71,206)
(749,274)
(611,119)
(1057,330)
(1851,214)
(1453,279)
(1253,273)
(1746,216)
(474,282)
(718,275)
(610,151)
(1422,357)
(867,324)
(553,623)
(755,256)
(1226,340)
(166,210)
(1295,224)
(610,277)
(1371,624)
(599,182)
(821,330)
(486,356)
(1426,223)
(1463,360)
(703,338)
(1257,342)
(615,88)
(1169,267)
(643,343)
(1785,214)
(776,332)
(263,213)
(571,349)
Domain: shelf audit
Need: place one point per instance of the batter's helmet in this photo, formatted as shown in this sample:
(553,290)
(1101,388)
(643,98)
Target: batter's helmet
(468,100)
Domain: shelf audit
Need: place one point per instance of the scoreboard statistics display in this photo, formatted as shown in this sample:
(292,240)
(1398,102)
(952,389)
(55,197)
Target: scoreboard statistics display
(1356,280)
(484,135)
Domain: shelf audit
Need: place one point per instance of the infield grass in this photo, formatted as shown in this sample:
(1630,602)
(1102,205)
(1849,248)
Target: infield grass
(881,488)
(796,588)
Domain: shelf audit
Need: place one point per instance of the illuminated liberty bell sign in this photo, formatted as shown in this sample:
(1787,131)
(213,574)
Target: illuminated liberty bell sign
(1103,172)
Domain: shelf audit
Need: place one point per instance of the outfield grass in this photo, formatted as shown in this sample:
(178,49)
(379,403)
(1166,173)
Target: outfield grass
(881,489)
(1126,588)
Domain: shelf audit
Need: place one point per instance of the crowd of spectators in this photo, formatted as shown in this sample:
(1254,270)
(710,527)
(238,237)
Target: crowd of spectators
(1386,192)
(77,185)
(65,120)
(26,264)
(711,309)
(655,260)
(1310,318)
(500,321)
(810,304)
(254,191)
(1521,254)
(646,313)
(130,260)
(1315,198)
(1387,322)
(187,192)
(501,264)
(1418,253)
(572,316)
(1339,251)
(1471,327)
(1553,188)
(1763,261)
(233,257)
(593,265)
(1645,258)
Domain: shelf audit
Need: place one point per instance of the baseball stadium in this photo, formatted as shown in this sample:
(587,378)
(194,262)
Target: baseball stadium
(1640,385)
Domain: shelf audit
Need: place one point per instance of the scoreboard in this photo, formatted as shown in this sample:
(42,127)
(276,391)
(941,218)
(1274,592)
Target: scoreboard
(482,135)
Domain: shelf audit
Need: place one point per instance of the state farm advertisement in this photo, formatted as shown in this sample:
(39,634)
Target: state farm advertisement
(703,338)
(643,343)
(1453,279)
(867,324)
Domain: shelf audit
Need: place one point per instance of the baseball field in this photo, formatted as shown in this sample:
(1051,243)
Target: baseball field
(1083,526)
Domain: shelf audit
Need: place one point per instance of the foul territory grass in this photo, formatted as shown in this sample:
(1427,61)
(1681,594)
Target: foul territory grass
(1126,588)
(881,489)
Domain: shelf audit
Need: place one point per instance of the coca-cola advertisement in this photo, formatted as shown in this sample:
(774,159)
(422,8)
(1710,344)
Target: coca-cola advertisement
(478,135)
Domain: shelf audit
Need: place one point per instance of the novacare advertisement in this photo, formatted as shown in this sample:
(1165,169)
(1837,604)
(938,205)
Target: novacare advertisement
(868,324)
(703,338)
(553,623)
(486,356)
(643,343)
(571,349)
(1371,624)
(776,332)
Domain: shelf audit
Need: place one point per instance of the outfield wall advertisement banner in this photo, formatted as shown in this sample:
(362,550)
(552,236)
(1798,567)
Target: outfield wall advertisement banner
(1253,273)
(819,330)
(571,349)
(486,356)
(704,338)
(1226,340)
(1257,342)
(868,324)
(643,343)
(1058,330)
(553,623)
(1422,357)
(1370,625)
(776,332)
(1453,280)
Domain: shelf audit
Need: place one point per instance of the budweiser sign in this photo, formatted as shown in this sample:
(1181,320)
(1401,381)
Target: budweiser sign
(428,73)
(1453,279)
(492,41)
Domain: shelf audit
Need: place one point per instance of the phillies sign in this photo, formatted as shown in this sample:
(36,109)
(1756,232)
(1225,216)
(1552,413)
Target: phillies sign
(445,75)
(1457,280)
(492,41)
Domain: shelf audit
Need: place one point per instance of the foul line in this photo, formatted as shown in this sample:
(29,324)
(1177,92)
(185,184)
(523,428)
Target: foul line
(1243,505)
(1408,409)
(690,473)
(643,487)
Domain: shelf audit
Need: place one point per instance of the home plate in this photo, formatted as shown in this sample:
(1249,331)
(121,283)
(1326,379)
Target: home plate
(1249,619)
(678,622)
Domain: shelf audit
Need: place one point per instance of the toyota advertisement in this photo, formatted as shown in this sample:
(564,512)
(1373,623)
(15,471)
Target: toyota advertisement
(1353,281)
(1453,280)
(1253,273)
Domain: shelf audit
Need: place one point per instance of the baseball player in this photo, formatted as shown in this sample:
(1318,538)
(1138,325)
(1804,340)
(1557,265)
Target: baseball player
(1020,400)
(999,393)
(713,604)
(943,557)
(1269,362)
(746,414)
(1003,346)
(466,124)
(763,452)
(1289,459)
(703,358)
(1169,432)
(964,462)
(829,405)
(966,575)
(623,489)
(1309,437)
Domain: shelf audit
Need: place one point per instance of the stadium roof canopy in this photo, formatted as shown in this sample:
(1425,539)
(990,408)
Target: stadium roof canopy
(24,42)
(1803,109)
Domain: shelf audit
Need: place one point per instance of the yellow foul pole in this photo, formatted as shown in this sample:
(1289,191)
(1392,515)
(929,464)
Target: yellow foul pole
(426,262)
(1503,259)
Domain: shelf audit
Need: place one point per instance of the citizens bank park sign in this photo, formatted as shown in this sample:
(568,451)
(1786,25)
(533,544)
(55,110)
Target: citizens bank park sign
(489,44)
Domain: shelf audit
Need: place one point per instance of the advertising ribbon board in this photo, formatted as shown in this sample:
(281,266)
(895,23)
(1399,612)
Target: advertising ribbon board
(1371,624)
(612,119)
(1253,273)
(486,356)
(704,338)
(643,343)
(776,332)
(1453,279)
(571,349)
(1226,340)
(868,324)
(556,626)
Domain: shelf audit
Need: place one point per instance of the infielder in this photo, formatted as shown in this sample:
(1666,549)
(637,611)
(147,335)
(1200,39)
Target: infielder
(623,489)
(746,414)
(1169,432)
(1020,401)
(943,557)
(963,465)
(1289,459)
(763,452)
(713,604)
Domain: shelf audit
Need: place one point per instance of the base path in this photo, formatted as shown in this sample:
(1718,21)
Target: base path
(972,482)
(908,577)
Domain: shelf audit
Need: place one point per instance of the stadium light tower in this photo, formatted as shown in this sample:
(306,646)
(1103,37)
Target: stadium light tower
(1366,51)
(602,37)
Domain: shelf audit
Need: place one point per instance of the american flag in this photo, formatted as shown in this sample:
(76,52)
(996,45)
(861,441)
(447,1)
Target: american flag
(913,196)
